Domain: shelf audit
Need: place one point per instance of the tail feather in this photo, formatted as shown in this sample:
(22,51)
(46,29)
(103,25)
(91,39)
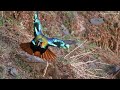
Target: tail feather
(44,55)
(47,55)
(50,54)
(26,48)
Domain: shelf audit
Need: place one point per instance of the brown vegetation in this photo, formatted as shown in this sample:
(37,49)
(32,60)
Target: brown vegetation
(94,55)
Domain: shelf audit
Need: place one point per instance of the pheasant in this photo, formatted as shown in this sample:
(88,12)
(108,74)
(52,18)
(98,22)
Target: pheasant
(39,46)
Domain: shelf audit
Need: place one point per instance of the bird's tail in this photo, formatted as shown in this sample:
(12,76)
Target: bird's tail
(48,55)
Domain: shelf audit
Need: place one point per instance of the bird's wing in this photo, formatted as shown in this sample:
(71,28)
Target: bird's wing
(48,55)
(26,48)
(58,43)
(37,25)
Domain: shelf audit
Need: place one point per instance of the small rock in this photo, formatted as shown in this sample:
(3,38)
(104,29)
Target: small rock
(117,68)
(112,69)
(70,41)
(13,71)
(97,21)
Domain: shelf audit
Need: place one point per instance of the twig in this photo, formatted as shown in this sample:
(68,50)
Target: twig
(75,49)
(45,69)
(83,54)
(83,70)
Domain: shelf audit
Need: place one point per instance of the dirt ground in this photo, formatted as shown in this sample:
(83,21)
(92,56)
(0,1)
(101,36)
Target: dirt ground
(78,62)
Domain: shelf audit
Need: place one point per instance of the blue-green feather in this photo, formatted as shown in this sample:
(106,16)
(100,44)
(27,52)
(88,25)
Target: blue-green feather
(58,43)
(37,25)
(51,41)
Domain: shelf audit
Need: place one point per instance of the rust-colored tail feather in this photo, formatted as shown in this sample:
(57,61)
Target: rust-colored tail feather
(47,55)
(26,48)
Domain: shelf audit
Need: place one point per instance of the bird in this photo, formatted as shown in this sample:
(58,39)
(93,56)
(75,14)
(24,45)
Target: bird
(39,46)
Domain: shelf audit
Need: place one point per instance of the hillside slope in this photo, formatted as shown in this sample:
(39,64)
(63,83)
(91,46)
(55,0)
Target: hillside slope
(80,61)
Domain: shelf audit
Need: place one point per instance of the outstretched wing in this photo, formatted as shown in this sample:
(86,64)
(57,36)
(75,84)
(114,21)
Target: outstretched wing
(39,52)
(57,43)
(37,25)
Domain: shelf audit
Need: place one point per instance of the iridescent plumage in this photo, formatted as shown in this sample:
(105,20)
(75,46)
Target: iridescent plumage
(39,45)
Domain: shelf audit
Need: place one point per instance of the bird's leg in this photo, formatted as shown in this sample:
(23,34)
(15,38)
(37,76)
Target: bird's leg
(45,69)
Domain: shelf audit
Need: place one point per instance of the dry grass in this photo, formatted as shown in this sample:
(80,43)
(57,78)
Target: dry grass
(106,36)
(97,47)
